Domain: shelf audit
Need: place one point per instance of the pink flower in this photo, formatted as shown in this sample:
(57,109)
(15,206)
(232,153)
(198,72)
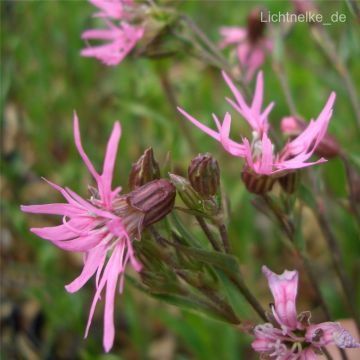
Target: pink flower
(101,228)
(120,38)
(251,45)
(291,336)
(328,147)
(259,153)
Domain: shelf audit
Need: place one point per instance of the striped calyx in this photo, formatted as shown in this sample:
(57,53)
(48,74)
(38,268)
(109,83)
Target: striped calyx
(255,183)
(144,170)
(204,175)
(290,182)
(154,200)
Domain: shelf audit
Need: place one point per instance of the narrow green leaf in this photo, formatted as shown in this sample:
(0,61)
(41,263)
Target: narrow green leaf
(307,197)
(189,303)
(225,262)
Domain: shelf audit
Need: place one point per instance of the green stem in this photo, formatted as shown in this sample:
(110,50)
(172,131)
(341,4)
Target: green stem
(339,266)
(327,45)
(245,291)
(208,233)
(171,97)
(350,176)
(224,237)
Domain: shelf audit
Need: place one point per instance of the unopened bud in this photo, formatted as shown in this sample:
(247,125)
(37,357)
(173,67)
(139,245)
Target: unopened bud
(193,200)
(257,184)
(204,175)
(155,200)
(290,182)
(328,147)
(144,170)
(255,26)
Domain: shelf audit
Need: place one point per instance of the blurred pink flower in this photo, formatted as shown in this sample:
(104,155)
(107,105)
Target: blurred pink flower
(120,38)
(251,45)
(259,153)
(100,228)
(294,337)
(328,147)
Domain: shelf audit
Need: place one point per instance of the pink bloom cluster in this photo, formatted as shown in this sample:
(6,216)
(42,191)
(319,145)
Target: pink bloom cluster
(251,54)
(120,35)
(96,228)
(291,336)
(258,153)
(251,44)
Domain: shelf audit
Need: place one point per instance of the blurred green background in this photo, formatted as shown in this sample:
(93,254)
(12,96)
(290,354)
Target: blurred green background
(44,79)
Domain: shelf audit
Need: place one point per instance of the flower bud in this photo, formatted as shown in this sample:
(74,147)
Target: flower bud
(154,199)
(187,193)
(193,200)
(255,26)
(328,146)
(144,170)
(204,175)
(290,182)
(257,184)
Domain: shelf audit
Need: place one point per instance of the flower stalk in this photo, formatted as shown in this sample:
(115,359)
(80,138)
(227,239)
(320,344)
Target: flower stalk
(289,230)
(339,265)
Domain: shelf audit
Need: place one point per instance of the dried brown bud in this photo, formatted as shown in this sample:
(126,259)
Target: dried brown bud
(155,200)
(144,170)
(290,182)
(204,175)
(255,26)
(257,184)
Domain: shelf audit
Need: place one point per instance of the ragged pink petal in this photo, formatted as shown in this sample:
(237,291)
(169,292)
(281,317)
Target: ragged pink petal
(308,354)
(266,163)
(52,209)
(314,132)
(229,145)
(95,258)
(109,329)
(256,58)
(108,167)
(251,48)
(284,290)
(80,244)
(120,35)
(231,35)
(80,148)
(99,289)
(253,114)
(109,8)
(331,333)
(201,126)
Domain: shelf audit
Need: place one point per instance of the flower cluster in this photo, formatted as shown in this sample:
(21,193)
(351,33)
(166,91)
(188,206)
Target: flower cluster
(107,228)
(251,44)
(121,33)
(260,158)
(104,227)
(291,336)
